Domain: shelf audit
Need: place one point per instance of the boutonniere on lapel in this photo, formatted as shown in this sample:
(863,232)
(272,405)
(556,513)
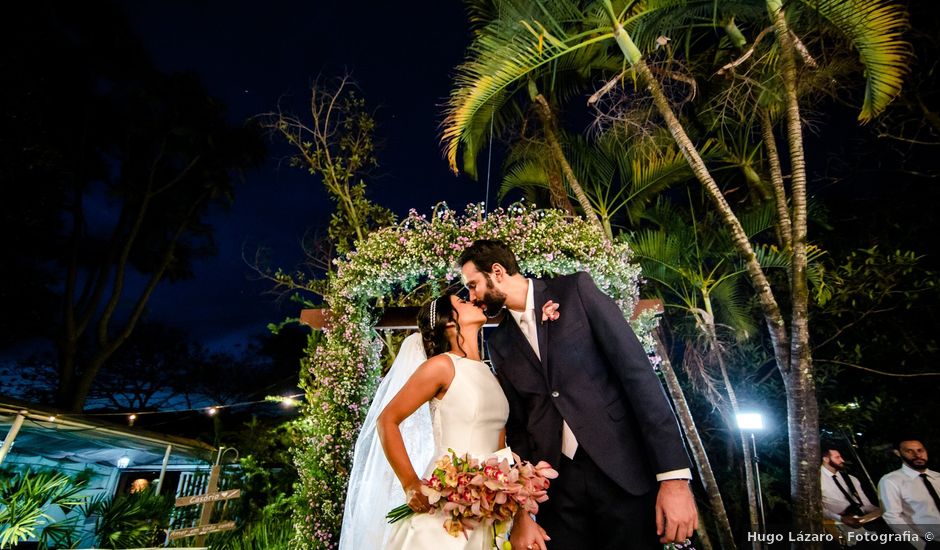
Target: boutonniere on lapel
(550,312)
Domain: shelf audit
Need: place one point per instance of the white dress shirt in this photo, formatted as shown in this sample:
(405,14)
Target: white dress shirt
(527,320)
(834,502)
(906,502)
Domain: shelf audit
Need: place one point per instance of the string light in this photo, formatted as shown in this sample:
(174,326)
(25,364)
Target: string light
(286,400)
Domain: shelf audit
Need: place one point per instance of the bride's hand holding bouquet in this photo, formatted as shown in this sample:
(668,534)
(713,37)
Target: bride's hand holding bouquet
(471,492)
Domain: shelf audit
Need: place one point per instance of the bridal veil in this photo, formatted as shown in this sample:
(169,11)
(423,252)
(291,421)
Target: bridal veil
(373,489)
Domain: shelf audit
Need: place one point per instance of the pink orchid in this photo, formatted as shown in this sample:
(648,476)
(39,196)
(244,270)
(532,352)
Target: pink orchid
(550,311)
(472,492)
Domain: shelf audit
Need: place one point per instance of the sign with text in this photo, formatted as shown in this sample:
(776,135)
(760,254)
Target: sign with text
(208,497)
(201,530)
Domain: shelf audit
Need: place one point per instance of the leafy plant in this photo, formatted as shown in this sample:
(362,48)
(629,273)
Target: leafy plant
(272,531)
(26,500)
(126,521)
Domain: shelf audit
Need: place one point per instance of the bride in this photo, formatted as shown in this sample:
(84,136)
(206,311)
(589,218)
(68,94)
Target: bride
(468,412)
(373,489)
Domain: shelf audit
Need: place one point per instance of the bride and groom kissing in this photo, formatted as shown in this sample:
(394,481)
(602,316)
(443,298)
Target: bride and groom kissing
(573,387)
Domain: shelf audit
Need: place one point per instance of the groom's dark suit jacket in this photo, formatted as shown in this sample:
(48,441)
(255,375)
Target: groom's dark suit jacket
(595,375)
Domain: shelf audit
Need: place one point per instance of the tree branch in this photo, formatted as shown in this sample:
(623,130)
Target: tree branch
(883,373)
(747,54)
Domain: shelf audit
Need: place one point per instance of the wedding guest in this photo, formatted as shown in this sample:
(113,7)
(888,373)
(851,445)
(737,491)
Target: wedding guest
(910,495)
(843,499)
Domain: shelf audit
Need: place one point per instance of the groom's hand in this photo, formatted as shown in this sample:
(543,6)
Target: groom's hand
(526,534)
(676,516)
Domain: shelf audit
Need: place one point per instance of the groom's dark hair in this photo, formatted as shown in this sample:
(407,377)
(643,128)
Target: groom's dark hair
(485,253)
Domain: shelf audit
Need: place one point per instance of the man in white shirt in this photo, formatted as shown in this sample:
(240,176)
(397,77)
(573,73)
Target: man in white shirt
(909,495)
(843,499)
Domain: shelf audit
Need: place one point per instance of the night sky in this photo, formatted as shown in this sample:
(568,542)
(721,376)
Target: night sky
(254,56)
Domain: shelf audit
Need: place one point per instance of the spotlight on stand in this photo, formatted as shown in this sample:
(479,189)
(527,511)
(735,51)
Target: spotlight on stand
(751,422)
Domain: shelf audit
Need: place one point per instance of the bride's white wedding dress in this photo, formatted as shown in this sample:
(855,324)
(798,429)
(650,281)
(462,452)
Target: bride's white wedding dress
(468,419)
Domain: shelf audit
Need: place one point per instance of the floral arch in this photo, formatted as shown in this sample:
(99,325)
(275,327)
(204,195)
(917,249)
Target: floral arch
(341,371)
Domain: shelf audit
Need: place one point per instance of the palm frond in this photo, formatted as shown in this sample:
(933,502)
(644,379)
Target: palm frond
(695,363)
(652,171)
(527,37)
(757,220)
(660,255)
(875,28)
(589,162)
(679,19)
(493,120)
(731,308)
(479,12)
(771,257)
(27,500)
(130,520)
(527,176)
(666,215)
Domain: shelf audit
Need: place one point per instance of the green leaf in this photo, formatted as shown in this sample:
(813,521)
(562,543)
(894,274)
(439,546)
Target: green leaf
(875,28)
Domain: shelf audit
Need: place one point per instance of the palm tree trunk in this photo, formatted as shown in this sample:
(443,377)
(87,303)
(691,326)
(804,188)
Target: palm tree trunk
(702,464)
(704,540)
(784,229)
(771,310)
(554,144)
(556,189)
(802,409)
(749,481)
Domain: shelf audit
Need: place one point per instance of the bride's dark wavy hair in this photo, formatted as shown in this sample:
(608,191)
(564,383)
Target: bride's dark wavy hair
(435,338)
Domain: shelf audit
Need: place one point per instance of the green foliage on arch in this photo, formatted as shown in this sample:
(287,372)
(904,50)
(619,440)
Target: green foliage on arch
(341,371)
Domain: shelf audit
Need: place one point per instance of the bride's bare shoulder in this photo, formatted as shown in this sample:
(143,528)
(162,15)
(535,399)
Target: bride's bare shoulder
(440,366)
(441,361)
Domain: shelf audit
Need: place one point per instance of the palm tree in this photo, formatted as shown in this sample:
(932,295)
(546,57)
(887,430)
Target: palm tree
(27,501)
(690,262)
(620,182)
(874,29)
(509,49)
(539,92)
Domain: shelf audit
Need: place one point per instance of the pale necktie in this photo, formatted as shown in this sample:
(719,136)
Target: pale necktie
(569,444)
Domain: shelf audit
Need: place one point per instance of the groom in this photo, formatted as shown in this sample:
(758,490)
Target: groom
(583,397)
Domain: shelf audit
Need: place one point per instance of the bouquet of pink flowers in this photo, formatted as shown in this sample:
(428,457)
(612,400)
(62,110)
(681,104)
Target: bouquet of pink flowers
(471,492)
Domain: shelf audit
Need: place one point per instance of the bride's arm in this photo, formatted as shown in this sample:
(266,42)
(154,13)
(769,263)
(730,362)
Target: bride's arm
(431,379)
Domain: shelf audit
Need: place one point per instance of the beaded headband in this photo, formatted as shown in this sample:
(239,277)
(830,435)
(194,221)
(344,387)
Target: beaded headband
(433,313)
